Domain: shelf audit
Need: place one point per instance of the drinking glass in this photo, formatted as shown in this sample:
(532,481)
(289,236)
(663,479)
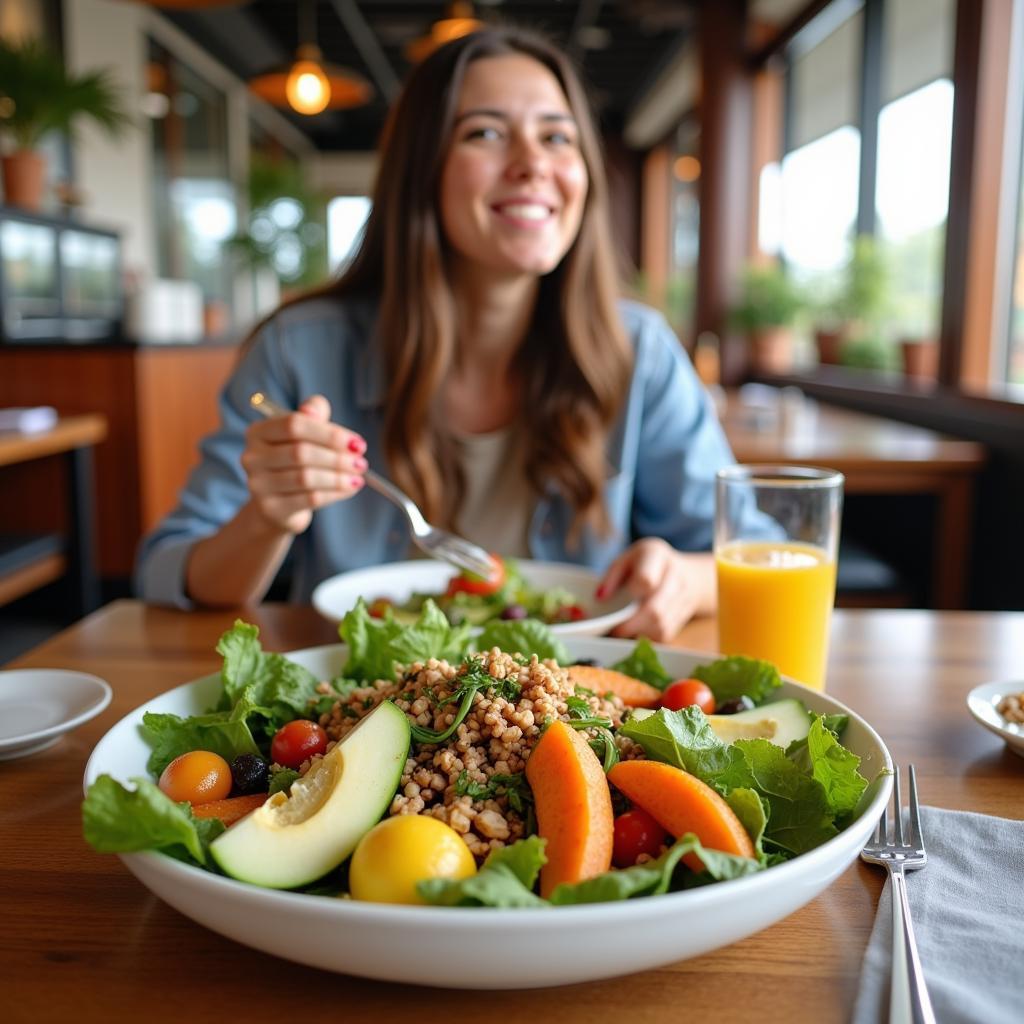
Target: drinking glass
(776,540)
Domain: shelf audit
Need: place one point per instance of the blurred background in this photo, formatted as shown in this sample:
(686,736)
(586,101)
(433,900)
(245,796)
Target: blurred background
(824,197)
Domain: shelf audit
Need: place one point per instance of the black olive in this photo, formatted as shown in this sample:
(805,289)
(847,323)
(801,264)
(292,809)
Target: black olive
(730,707)
(513,611)
(249,774)
(587,661)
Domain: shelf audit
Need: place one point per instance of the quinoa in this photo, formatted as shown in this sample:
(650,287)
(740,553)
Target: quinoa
(474,781)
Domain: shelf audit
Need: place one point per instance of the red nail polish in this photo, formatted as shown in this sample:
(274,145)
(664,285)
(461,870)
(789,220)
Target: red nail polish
(356,481)
(357,445)
(600,593)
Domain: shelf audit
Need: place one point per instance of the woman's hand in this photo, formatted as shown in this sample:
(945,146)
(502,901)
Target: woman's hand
(301,462)
(671,587)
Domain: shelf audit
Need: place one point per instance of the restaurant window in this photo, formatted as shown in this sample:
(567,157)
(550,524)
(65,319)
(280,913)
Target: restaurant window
(809,202)
(681,285)
(346,218)
(194,200)
(1015,348)
(915,128)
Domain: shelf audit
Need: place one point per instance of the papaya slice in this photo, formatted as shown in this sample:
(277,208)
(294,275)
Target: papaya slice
(634,693)
(681,803)
(573,805)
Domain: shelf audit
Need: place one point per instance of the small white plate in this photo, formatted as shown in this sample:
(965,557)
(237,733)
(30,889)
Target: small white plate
(398,581)
(39,705)
(982,701)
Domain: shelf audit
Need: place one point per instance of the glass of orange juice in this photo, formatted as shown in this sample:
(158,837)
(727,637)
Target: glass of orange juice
(776,539)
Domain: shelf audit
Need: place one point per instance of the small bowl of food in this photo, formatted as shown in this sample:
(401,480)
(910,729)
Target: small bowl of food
(999,706)
(557,594)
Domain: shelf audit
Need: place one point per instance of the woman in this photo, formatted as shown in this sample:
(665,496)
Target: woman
(477,353)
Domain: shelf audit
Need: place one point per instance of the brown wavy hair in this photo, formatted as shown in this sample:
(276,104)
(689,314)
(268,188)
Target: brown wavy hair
(575,361)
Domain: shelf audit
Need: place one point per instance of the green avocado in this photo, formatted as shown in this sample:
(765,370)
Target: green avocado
(296,838)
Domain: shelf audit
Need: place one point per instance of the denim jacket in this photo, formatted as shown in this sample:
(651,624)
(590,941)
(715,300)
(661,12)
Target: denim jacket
(664,452)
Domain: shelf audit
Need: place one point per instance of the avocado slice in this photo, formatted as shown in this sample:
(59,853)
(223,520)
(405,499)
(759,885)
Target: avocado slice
(780,721)
(294,839)
(792,722)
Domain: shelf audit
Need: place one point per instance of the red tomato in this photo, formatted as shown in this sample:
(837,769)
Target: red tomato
(470,583)
(685,692)
(379,608)
(198,777)
(636,832)
(297,742)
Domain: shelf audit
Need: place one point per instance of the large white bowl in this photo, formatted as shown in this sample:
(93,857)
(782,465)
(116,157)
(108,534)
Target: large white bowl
(454,946)
(398,581)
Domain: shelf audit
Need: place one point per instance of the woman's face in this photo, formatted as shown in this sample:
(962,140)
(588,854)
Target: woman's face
(514,181)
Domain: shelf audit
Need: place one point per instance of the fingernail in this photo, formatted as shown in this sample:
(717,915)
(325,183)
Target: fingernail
(601,591)
(360,463)
(357,445)
(356,481)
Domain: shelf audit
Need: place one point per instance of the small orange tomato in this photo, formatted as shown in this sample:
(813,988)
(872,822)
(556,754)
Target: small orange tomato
(198,777)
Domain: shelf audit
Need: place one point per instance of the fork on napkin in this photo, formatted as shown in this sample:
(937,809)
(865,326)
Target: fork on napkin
(968,909)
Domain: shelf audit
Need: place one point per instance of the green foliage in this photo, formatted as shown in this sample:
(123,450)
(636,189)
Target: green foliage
(286,229)
(768,298)
(860,292)
(43,97)
(869,353)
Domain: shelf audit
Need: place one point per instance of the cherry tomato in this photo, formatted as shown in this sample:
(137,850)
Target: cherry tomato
(198,777)
(570,613)
(636,832)
(379,608)
(470,583)
(685,692)
(297,742)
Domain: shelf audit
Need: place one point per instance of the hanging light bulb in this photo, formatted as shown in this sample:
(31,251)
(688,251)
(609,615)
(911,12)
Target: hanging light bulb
(309,85)
(458,21)
(307,88)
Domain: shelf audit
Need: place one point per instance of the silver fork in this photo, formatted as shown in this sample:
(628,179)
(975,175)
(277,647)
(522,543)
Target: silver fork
(908,994)
(432,540)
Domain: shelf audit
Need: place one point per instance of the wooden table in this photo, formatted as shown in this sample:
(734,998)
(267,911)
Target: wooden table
(877,456)
(73,438)
(84,941)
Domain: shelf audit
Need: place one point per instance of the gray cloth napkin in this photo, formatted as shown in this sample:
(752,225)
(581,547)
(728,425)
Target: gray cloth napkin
(967,907)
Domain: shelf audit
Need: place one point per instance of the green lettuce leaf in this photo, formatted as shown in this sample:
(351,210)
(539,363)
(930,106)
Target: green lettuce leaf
(799,816)
(375,645)
(750,809)
(222,732)
(736,676)
(505,879)
(282,689)
(116,819)
(684,739)
(656,876)
(835,768)
(522,636)
(643,663)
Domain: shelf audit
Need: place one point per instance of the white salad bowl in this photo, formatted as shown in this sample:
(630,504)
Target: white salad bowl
(398,581)
(455,946)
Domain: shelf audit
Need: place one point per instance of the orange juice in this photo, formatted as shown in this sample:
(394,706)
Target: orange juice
(774,602)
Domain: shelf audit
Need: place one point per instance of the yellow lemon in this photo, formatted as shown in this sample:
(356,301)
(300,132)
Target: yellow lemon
(399,852)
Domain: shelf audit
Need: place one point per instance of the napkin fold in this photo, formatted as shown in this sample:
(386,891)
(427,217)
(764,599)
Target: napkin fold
(967,907)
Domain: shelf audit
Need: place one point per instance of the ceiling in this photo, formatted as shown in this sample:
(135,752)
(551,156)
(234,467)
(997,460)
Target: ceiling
(621,44)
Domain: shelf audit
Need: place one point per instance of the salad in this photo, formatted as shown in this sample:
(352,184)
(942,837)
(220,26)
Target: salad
(448,769)
(504,594)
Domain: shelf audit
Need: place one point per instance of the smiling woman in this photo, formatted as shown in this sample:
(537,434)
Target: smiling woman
(478,348)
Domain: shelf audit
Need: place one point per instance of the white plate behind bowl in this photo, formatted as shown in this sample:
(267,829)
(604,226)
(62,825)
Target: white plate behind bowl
(398,581)
(454,946)
(982,701)
(39,705)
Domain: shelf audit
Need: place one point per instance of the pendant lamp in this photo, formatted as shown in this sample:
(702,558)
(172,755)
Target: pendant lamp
(309,84)
(458,20)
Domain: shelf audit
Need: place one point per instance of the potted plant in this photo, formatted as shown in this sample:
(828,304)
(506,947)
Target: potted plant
(859,303)
(768,305)
(38,96)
